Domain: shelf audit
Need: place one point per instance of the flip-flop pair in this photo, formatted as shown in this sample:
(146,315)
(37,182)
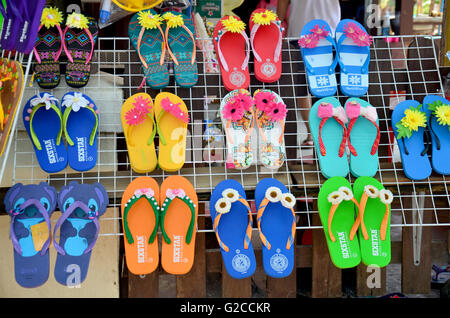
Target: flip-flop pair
(233,224)
(151,43)
(351,45)
(233,48)
(333,127)
(411,121)
(240,112)
(77,40)
(173,207)
(138,116)
(365,237)
(46,123)
(30,208)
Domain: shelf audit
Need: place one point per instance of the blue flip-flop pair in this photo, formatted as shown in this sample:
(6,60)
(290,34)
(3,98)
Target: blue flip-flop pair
(233,225)
(352,47)
(30,208)
(411,122)
(334,127)
(46,122)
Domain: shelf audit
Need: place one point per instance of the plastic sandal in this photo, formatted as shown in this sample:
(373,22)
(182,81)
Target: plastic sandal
(48,48)
(353,50)
(31,14)
(80,121)
(316,45)
(43,121)
(270,114)
(81,206)
(277,225)
(408,123)
(80,36)
(147,38)
(232,46)
(266,40)
(232,223)
(140,221)
(327,122)
(30,208)
(180,40)
(171,122)
(437,109)
(373,221)
(179,212)
(363,137)
(238,120)
(139,127)
(336,204)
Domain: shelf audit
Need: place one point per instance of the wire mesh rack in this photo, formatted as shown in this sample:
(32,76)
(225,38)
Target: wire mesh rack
(404,68)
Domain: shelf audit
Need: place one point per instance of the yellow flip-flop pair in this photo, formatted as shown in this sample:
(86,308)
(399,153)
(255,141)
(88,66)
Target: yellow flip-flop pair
(142,119)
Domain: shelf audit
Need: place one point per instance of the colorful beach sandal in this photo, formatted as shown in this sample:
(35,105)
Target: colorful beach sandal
(180,40)
(139,127)
(277,225)
(179,212)
(437,109)
(172,120)
(373,221)
(140,222)
(316,45)
(327,123)
(31,15)
(80,121)
(270,113)
(48,49)
(80,36)
(43,121)
(232,46)
(266,40)
(81,205)
(147,38)
(238,120)
(337,206)
(30,208)
(363,137)
(408,122)
(232,223)
(353,50)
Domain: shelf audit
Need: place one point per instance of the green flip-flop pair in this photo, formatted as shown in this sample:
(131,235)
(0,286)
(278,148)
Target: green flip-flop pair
(356,221)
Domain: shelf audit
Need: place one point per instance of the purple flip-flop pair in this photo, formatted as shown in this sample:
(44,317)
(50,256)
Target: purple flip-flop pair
(30,208)
(21,24)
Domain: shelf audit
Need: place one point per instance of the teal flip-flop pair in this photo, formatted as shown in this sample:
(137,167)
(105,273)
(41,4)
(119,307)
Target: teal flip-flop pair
(77,119)
(152,35)
(333,127)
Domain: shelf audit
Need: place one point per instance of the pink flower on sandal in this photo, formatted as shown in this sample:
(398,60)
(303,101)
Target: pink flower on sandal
(244,100)
(319,32)
(174,109)
(173,193)
(262,100)
(140,101)
(358,35)
(308,41)
(135,116)
(233,111)
(276,111)
(363,39)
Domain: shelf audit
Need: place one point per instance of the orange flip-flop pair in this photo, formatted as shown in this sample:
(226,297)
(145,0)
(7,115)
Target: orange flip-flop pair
(145,207)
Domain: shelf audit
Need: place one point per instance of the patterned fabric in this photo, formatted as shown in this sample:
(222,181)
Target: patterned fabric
(48,43)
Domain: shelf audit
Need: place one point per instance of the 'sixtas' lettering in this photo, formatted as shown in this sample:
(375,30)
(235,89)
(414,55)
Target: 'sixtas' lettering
(141,248)
(343,244)
(177,248)
(50,151)
(81,147)
(375,242)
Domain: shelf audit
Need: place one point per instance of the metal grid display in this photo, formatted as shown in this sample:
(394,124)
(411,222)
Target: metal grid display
(408,65)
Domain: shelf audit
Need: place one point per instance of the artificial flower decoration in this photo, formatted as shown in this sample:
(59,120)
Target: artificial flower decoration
(136,115)
(413,119)
(262,99)
(335,197)
(386,196)
(273,194)
(264,18)
(233,25)
(351,29)
(363,39)
(287,200)
(140,101)
(371,191)
(319,32)
(223,205)
(148,20)
(233,111)
(51,17)
(244,100)
(46,99)
(230,194)
(173,20)
(149,193)
(358,35)
(174,193)
(308,41)
(346,193)
(77,20)
(441,111)
(76,101)
(276,111)
(174,109)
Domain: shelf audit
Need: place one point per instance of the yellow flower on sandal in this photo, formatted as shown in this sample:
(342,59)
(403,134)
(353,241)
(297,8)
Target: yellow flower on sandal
(173,20)
(148,20)
(51,17)
(77,20)
(414,119)
(443,114)
(264,18)
(233,25)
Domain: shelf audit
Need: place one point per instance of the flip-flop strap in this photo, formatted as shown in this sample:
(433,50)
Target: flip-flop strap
(158,127)
(279,42)
(438,142)
(66,133)
(58,54)
(221,57)
(331,213)
(332,67)
(261,209)
(91,38)
(150,140)
(364,67)
(46,216)
(129,205)
(165,206)
(194,49)
(376,143)
(248,231)
(139,43)
(33,134)
(344,138)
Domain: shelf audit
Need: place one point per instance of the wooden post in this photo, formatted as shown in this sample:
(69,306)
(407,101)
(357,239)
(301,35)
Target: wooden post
(406,16)
(235,288)
(283,287)
(143,286)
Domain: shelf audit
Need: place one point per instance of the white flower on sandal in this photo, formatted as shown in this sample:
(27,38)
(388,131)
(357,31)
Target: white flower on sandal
(371,191)
(76,101)
(46,99)
(223,205)
(231,194)
(386,196)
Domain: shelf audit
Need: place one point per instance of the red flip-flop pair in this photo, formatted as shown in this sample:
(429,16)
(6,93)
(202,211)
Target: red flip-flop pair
(232,46)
